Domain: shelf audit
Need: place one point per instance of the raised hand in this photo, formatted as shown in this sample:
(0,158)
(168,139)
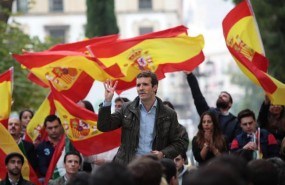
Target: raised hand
(110,88)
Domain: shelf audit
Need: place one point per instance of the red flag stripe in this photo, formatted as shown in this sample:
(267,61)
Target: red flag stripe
(119,46)
(239,12)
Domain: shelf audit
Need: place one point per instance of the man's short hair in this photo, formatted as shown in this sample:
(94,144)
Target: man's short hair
(72,153)
(122,99)
(14,154)
(245,113)
(51,118)
(154,80)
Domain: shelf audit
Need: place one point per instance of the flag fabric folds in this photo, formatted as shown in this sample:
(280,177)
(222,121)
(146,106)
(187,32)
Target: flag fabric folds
(8,145)
(81,45)
(6,88)
(35,131)
(242,39)
(65,69)
(160,52)
(80,127)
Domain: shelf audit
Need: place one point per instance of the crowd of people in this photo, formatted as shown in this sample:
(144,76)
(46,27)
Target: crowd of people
(229,149)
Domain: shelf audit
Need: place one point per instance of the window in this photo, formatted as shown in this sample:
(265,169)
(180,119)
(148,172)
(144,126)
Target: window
(57,32)
(145,4)
(55,5)
(22,6)
(144,30)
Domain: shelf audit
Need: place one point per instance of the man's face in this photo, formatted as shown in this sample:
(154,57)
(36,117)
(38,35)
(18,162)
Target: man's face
(54,129)
(72,164)
(144,88)
(223,101)
(14,126)
(179,162)
(118,105)
(14,166)
(248,125)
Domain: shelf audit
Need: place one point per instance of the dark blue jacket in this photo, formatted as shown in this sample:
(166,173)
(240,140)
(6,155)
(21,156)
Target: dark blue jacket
(268,143)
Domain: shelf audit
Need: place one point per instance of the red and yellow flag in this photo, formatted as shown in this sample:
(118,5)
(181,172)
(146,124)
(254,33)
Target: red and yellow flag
(65,68)
(81,45)
(160,52)
(243,41)
(35,130)
(8,145)
(80,127)
(6,88)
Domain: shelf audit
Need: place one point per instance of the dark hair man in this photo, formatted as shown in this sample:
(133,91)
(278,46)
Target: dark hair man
(45,150)
(251,143)
(227,121)
(14,163)
(147,125)
(72,162)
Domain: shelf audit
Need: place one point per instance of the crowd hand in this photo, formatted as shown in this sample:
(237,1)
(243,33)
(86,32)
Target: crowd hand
(110,88)
(250,146)
(159,154)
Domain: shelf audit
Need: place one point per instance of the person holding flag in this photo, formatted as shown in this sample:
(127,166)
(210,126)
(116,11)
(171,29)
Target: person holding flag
(253,142)
(147,125)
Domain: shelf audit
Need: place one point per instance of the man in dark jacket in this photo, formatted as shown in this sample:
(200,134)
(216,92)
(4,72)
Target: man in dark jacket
(147,125)
(253,143)
(227,121)
(14,163)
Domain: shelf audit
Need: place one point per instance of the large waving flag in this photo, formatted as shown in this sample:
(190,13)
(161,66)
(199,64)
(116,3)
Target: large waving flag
(243,41)
(81,45)
(68,67)
(8,145)
(68,71)
(6,88)
(160,52)
(80,127)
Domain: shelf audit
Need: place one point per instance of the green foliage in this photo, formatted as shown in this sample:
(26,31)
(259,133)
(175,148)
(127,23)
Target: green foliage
(101,18)
(13,40)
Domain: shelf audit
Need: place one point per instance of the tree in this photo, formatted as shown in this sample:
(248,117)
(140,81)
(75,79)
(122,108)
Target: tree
(101,18)
(270,16)
(13,40)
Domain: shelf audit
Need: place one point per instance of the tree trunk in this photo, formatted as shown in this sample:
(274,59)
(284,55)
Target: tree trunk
(5,10)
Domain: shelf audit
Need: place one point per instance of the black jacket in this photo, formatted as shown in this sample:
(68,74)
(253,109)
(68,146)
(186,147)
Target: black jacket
(166,137)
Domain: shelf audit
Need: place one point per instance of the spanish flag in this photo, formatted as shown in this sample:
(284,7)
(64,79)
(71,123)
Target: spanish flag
(35,131)
(6,88)
(243,41)
(8,145)
(160,52)
(81,45)
(64,69)
(80,127)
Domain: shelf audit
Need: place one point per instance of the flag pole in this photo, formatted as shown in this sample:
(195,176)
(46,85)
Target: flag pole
(256,25)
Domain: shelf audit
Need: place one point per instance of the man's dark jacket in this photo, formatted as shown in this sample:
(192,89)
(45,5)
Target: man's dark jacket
(22,181)
(166,137)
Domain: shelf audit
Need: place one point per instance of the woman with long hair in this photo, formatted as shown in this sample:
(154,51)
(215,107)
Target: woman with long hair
(209,140)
